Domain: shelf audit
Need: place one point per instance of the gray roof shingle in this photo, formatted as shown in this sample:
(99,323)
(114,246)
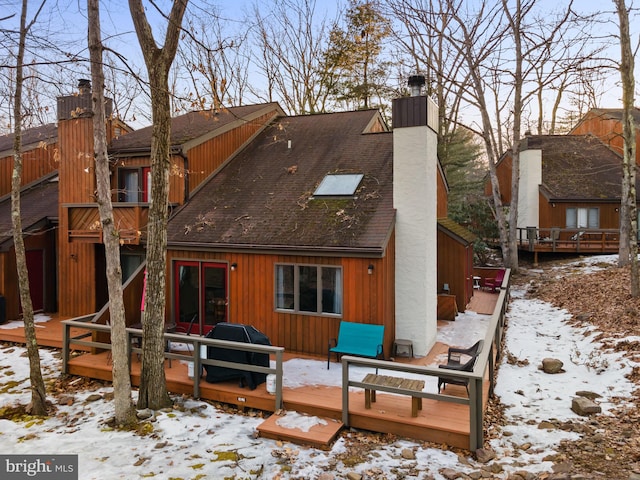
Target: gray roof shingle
(185,127)
(578,167)
(38,202)
(262,198)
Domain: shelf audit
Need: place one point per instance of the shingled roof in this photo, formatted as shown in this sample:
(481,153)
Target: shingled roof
(44,133)
(38,204)
(578,168)
(263,197)
(187,127)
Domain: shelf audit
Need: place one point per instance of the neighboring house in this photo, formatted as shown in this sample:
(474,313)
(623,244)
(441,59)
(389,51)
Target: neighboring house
(606,124)
(569,193)
(290,224)
(39,208)
(39,158)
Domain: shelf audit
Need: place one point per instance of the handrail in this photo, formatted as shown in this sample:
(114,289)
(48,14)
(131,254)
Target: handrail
(593,239)
(194,353)
(490,352)
(487,357)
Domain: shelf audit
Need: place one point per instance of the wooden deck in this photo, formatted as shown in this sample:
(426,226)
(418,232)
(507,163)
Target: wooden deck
(438,421)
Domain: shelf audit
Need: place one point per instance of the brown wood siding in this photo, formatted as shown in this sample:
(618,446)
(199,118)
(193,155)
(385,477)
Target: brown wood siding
(207,157)
(555,214)
(366,298)
(36,163)
(76,272)
(503,172)
(453,269)
(608,130)
(442,201)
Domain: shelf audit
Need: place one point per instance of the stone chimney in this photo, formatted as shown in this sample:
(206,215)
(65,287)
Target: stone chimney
(415,170)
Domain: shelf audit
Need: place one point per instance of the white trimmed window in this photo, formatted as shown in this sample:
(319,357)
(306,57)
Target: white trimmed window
(312,289)
(582,217)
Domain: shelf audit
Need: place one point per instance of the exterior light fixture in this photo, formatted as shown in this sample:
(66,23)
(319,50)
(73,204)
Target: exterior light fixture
(234,265)
(370,269)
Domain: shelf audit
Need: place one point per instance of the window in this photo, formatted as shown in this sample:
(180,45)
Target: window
(343,185)
(134,184)
(583,217)
(314,289)
(129,263)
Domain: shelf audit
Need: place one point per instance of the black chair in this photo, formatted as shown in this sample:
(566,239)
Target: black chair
(454,363)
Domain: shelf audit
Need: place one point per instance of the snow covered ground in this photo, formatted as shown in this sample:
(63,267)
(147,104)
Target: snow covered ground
(198,441)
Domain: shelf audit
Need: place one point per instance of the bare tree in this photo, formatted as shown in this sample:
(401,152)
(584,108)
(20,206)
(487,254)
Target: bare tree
(124,412)
(291,43)
(628,211)
(494,54)
(38,404)
(153,390)
(211,65)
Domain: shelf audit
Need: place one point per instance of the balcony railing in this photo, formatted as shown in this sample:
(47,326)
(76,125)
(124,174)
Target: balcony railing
(577,240)
(130,221)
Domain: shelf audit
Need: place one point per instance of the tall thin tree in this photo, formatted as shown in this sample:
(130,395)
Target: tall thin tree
(628,212)
(124,412)
(38,404)
(153,389)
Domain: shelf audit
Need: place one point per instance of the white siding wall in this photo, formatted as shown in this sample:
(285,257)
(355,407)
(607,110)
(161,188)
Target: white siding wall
(528,193)
(415,197)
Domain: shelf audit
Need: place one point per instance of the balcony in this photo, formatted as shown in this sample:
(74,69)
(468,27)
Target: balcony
(568,240)
(84,222)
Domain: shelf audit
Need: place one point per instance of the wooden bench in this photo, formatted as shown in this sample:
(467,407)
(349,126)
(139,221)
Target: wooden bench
(374,381)
(359,339)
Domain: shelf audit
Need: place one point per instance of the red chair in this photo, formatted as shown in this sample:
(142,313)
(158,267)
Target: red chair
(494,284)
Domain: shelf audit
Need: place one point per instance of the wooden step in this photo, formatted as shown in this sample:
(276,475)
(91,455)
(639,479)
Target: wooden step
(294,427)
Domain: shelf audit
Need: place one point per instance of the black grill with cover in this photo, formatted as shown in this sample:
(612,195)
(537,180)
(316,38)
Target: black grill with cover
(236,332)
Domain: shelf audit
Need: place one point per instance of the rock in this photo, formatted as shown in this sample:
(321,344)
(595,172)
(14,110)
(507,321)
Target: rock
(66,400)
(408,454)
(144,413)
(545,425)
(634,476)
(552,365)
(94,397)
(484,455)
(587,394)
(450,473)
(585,407)
(326,476)
(354,476)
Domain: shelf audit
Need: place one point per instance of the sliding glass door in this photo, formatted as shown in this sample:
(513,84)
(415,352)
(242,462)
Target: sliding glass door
(200,295)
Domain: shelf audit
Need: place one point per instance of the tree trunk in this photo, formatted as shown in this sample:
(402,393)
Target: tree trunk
(38,404)
(153,391)
(124,412)
(515,20)
(629,214)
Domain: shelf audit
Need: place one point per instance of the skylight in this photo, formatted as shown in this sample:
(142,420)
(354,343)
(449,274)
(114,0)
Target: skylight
(339,185)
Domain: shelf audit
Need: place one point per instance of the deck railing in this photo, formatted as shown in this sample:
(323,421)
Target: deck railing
(557,239)
(194,344)
(485,365)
